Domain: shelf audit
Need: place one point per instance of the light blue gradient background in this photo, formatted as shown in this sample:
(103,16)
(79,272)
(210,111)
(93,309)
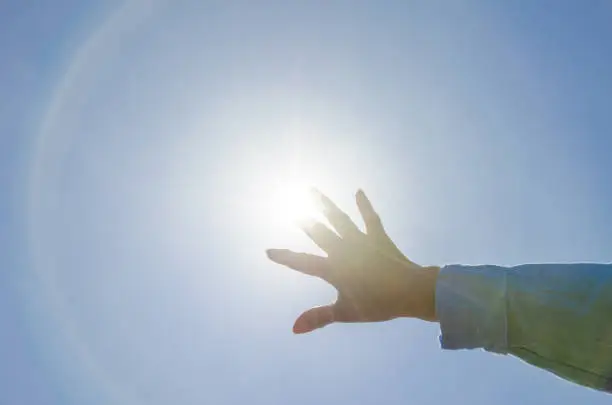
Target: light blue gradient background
(138,141)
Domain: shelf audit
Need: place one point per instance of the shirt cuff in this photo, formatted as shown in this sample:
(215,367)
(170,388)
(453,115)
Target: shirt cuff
(471,307)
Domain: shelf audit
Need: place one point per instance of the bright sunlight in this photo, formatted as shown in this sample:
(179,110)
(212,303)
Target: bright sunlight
(292,202)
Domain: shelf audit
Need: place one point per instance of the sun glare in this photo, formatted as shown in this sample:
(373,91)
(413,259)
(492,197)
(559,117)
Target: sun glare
(291,202)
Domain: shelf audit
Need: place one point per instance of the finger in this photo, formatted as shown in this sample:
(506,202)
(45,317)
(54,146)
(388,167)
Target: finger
(341,222)
(374,226)
(305,263)
(324,237)
(372,221)
(314,318)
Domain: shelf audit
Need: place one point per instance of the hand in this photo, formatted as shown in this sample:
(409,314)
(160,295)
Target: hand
(375,281)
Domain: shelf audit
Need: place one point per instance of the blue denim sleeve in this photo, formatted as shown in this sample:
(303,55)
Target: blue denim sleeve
(471,307)
(555,316)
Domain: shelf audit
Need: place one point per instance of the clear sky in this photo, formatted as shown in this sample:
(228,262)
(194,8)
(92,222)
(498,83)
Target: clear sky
(140,144)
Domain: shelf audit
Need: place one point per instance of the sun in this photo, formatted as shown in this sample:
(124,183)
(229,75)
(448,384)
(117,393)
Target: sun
(292,202)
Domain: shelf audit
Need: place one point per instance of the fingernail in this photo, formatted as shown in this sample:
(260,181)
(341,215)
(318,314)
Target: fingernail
(299,328)
(317,196)
(361,198)
(274,253)
(315,192)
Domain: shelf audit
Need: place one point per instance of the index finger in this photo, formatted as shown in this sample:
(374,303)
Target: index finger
(341,222)
(312,265)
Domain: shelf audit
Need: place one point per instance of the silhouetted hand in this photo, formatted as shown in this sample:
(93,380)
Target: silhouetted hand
(375,281)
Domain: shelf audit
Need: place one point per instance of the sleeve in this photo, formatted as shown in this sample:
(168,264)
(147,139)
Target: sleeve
(555,316)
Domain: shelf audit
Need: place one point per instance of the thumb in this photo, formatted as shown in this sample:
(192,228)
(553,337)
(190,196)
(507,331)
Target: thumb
(314,318)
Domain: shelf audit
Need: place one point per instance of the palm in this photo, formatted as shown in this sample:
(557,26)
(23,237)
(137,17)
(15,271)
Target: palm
(370,273)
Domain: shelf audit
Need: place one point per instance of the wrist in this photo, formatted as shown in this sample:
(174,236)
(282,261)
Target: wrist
(422,294)
(433,272)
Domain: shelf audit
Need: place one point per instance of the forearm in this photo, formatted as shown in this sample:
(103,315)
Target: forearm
(557,317)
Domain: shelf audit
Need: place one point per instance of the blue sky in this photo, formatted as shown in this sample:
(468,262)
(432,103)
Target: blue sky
(140,142)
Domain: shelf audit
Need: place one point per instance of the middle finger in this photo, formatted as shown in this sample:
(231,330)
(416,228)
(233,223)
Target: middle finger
(341,222)
(322,236)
